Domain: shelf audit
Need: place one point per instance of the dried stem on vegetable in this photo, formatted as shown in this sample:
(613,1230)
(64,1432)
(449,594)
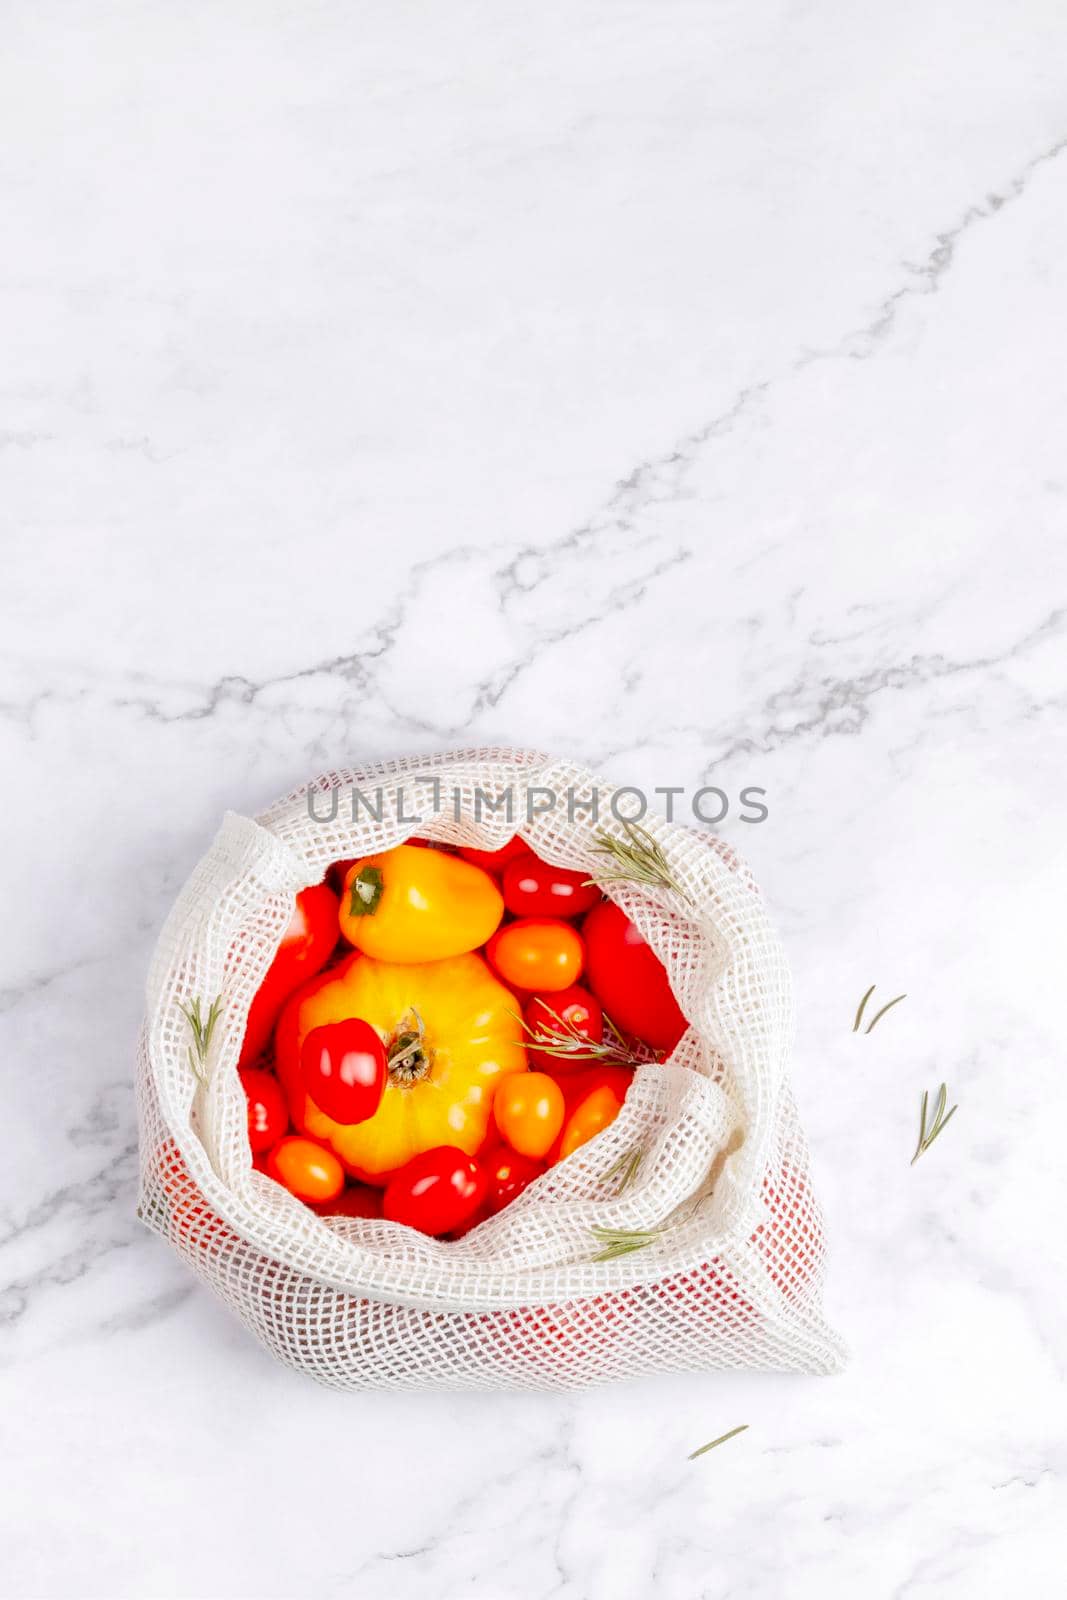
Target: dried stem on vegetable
(940,1122)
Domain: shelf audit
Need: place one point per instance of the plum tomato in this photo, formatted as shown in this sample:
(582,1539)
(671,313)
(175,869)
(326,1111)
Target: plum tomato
(629,979)
(508,1174)
(495,861)
(268,1110)
(571,1015)
(437,1190)
(599,1108)
(606,1087)
(537,953)
(344,1069)
(529,1109)
(532,888)
(306,1169)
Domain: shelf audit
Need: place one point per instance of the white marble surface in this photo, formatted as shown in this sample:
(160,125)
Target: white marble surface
(679,387)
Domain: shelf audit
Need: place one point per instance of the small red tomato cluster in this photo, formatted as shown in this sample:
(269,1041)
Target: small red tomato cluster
(362,1016)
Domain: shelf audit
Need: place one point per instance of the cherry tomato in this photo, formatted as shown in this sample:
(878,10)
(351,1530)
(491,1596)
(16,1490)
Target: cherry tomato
(567,1013)
(268,1110)
(306,946)
(604,1085)
(532,888)
(529,1108)
(508,1174)
(589,1118)
(468,1224)
(495,860)
(355,1200)
(536,953)
(307,1169)
(344,1069)
(629,979)
(436,1191)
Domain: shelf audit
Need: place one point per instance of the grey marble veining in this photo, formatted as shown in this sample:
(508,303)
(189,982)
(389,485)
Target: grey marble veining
(677,389)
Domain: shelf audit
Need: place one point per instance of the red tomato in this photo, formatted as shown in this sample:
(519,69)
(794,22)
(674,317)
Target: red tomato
(629,979)
(306,946)
(508,1175)
(529,1109)
(495,860)
(592,1097)
(355,1200)
(344,1070)
(531,888)
(568,1012)
(268,1110)
(306,1169)
(536,953)
(436,1191)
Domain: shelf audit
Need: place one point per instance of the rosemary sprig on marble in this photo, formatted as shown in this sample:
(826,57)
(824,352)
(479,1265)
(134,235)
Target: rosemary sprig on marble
(878,1014)
(635,858)
(202,1029)
(704,1448)
(940,1122)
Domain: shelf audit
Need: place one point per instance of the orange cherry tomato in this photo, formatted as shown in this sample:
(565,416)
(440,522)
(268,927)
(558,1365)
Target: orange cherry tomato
(307,1169)
(529,1109)
(539,953)
(593,1100)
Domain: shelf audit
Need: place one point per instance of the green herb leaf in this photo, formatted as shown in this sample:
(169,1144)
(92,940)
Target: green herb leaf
(880,1014)
(938,1125)
(637,858)
(859,1013)
(202,1029)
(620,1242)
(714,1443)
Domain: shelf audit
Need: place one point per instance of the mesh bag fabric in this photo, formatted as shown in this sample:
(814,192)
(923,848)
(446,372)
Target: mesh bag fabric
(730,1275)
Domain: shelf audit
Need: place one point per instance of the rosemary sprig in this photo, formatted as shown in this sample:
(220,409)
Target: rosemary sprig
(878,1014)
(704,1448)
(625,1169)
(563,1039)
(617,1242)
(859,1013)
(940,1122)
(202,1029)
(636,858)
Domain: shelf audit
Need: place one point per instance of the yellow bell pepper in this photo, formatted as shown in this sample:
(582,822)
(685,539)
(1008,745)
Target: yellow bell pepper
(451,1032)
(416,904)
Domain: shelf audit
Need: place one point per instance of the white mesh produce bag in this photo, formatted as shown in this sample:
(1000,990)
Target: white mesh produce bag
(725,1261)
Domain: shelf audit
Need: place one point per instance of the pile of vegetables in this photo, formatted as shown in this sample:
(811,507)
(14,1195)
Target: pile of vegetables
(440,1026)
